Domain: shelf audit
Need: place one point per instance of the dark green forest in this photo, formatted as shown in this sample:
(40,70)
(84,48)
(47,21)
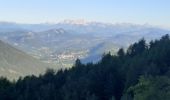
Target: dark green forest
(142,72)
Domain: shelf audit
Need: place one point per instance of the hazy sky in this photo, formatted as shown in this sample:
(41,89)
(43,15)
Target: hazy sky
(156,12)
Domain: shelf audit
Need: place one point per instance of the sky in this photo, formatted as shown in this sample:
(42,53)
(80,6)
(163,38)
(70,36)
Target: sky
(154,12)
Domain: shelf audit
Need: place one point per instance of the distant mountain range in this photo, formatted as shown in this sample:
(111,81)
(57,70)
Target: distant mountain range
(63,42)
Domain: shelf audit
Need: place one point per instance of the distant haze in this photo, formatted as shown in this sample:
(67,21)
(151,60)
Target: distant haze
(155,12)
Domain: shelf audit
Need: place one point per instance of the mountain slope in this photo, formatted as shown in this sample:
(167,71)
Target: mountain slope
(15,63)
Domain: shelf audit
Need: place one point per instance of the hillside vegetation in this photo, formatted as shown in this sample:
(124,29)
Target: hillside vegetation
(142,72)
(15,63)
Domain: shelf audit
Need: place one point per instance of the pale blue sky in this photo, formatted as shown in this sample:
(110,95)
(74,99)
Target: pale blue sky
(156,12)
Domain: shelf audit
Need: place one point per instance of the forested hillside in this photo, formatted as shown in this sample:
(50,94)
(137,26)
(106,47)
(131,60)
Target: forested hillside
(142,72)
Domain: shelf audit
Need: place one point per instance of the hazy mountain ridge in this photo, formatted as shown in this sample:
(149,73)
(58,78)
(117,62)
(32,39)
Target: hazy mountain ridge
(63,42)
